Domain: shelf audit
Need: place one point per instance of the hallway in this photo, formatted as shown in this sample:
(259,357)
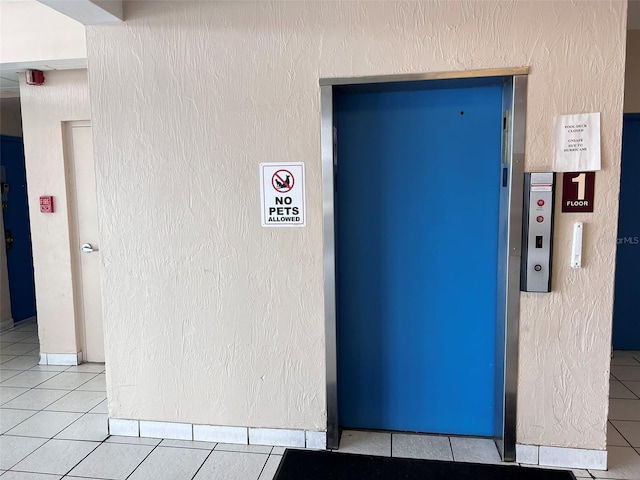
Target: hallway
(53,425)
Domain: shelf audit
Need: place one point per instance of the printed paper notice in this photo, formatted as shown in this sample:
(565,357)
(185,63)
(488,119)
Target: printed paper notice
(577,143)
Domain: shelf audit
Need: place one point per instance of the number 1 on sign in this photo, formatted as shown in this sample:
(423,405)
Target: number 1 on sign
(581,180)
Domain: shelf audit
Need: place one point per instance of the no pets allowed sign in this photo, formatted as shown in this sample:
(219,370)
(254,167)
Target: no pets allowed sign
(282,194)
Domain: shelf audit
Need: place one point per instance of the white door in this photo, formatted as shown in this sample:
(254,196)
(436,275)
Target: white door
(84,231)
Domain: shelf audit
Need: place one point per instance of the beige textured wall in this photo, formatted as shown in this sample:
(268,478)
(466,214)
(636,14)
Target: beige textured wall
(632,74)
(64,97)
(202,323)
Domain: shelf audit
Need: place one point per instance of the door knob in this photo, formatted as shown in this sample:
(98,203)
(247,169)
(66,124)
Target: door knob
(87,248)
(8,239)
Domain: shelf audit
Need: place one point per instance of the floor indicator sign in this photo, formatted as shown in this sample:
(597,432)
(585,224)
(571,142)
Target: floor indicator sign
(282,194)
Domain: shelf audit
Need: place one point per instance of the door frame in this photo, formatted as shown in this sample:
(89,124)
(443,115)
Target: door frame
(74,236)
(511,198)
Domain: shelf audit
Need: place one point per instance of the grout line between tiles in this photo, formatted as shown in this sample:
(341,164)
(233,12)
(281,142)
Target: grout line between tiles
(202,464)
(451,449)
(264,465)
(147,456)
(83,458)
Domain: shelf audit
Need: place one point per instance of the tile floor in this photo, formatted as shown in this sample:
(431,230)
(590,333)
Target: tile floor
(53,425)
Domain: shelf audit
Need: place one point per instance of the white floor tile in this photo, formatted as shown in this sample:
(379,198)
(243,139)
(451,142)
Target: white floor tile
(29,379)
(622,409)
(97,384)
(633,386)
(630,361)
(269,470)
(88,427)
(9,393)
(45,424)
(232,466)
(623,372)
(56,456)
(17,349)
(48,368)
(7,374)
(623,464)
(430,447)
(69,477)
(10,418)
(14,449)
(29,325)
(619,390)
(630,431)
(14,336)
(233,447)
(78,401)
(133,440)
(29,476)
(32,339)
(87,368)
(368,443)
(35,399)
(67,380)
(625,353)
(614,438)
(187,444)
(112,460)
(20,363)
(102,407)
(476,450)
(6,358)
(278,450)
(166,463)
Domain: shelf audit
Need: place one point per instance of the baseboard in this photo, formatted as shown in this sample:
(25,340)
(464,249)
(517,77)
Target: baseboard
(61,358)
(6,324)
(561,457)
(278,437)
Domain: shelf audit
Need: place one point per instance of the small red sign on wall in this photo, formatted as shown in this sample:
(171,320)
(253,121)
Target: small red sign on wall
(578,191)
(46,204)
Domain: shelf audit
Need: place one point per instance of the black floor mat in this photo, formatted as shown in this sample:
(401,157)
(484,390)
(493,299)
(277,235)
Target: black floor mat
(323,465)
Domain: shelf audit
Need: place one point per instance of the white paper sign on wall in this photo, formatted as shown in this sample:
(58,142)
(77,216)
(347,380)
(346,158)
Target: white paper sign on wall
(282,194)
(577,143)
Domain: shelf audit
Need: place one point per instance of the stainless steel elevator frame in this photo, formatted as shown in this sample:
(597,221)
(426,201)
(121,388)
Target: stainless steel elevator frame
(508,305)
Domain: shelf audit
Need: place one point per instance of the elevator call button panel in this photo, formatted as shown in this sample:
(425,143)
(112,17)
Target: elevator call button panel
(537,235)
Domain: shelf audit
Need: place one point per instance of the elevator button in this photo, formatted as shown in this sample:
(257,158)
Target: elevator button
(541,203)
(539,219)
(537,268)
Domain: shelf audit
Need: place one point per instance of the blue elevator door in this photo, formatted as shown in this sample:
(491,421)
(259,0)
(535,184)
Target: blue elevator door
(626,306)
(417,193)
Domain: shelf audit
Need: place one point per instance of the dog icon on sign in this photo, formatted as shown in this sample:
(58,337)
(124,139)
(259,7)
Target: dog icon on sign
(282,181)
